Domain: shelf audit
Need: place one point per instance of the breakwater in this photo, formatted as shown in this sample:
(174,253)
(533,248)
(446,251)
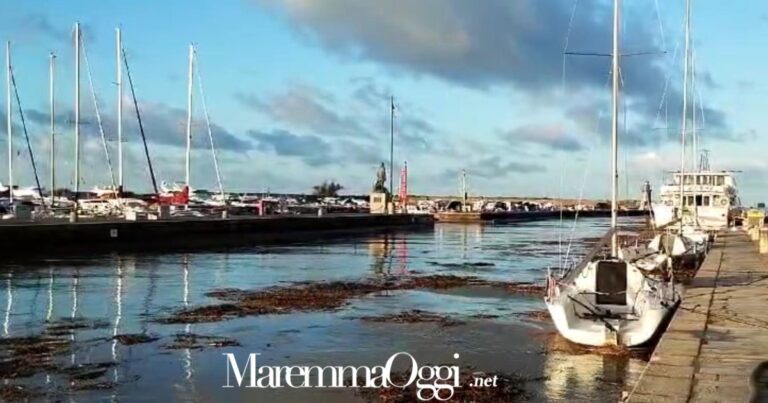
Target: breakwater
(481,216)
(23,237)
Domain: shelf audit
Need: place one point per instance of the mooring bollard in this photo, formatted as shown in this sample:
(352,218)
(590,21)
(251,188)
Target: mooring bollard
(225,213)
(73,216)
(763,241)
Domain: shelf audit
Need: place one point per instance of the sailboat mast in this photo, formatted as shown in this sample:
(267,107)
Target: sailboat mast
(692,68)
(51,69)
(77,110)
(684,125)
(391,144)
(189,111)
(119,59)
(615,128)
(8,121)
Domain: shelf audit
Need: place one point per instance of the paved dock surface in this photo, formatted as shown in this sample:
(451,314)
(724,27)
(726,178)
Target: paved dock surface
(719,334)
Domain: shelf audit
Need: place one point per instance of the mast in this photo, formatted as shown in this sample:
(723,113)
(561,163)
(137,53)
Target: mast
(391,143)
(685,107)
(77,110)
(51,69)
(189,111)
(693,90)
(615,128)
(119,60)
(8,121)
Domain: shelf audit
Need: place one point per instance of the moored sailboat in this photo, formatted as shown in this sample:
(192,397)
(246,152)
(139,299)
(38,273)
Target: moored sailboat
(622,296)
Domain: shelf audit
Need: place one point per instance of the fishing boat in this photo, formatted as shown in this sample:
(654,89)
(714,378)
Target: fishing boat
(623,292)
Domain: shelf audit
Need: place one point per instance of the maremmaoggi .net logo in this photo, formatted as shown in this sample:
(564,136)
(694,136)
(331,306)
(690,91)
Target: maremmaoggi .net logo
(432,382)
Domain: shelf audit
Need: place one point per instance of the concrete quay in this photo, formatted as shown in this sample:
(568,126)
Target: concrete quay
(716,346)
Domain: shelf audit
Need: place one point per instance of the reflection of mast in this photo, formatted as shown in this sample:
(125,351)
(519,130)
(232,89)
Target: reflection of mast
(464,242)
(118,314)
(49,313)
(188,326)
(75,283)
(150,295)
(402,254)
(9,304)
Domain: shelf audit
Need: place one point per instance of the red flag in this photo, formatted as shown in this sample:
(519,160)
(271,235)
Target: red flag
(403,195)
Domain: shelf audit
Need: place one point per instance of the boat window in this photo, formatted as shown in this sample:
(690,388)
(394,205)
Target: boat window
(689,202)
(699,179)
(699,199)
(706,201)
(688,179)
(611,283)
(720,180)
(715,200)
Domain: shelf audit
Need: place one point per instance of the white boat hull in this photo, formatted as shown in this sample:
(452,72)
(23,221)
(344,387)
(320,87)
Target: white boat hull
(633,318)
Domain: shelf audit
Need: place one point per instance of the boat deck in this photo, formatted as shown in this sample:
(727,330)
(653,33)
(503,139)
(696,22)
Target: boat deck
(719,335)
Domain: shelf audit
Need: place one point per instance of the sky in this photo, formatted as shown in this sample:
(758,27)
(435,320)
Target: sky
(298,92)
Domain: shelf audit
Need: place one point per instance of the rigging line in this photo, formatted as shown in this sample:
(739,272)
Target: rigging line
(565,50)
(568,38)
(26,135)
(98,116)
(664,101)
(661,25)
(141,126)
(584,178)
(210,132)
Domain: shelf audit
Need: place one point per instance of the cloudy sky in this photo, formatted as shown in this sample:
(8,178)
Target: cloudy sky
(298,91)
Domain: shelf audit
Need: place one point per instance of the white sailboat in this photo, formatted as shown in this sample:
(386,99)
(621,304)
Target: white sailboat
(698,202)
(623,298)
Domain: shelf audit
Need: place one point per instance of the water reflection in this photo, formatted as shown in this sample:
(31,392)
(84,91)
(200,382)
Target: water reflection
(380,249)
(574,375)
(8,304)
(126,293)
(388,251)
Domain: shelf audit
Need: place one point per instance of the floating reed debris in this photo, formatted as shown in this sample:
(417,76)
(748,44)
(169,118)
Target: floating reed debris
(135,338)
(323,296)
(197,341)
(414,316)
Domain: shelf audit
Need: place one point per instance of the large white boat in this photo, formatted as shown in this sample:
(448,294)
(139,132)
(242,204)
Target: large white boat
(708,199)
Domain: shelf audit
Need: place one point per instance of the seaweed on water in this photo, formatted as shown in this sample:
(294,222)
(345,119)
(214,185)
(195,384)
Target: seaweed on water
(414,316)
(197,341)
(136,338)
(67,326)
(11,393)
(22,357)
(323,296)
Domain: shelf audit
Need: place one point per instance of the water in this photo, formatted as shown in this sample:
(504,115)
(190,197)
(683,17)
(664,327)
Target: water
(126,293)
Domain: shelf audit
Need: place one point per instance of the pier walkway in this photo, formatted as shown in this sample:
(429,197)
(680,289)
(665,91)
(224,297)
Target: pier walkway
(718,336)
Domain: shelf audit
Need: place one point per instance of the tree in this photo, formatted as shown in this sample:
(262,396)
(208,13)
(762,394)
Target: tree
(327,189)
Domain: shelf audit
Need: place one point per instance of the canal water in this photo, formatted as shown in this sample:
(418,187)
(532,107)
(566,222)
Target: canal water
(90,299)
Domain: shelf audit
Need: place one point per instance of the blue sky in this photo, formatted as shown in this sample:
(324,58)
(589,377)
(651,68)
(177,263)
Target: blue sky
(298,91)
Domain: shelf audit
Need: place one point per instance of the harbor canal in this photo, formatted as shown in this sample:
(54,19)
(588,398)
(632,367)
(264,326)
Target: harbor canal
(129,325)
